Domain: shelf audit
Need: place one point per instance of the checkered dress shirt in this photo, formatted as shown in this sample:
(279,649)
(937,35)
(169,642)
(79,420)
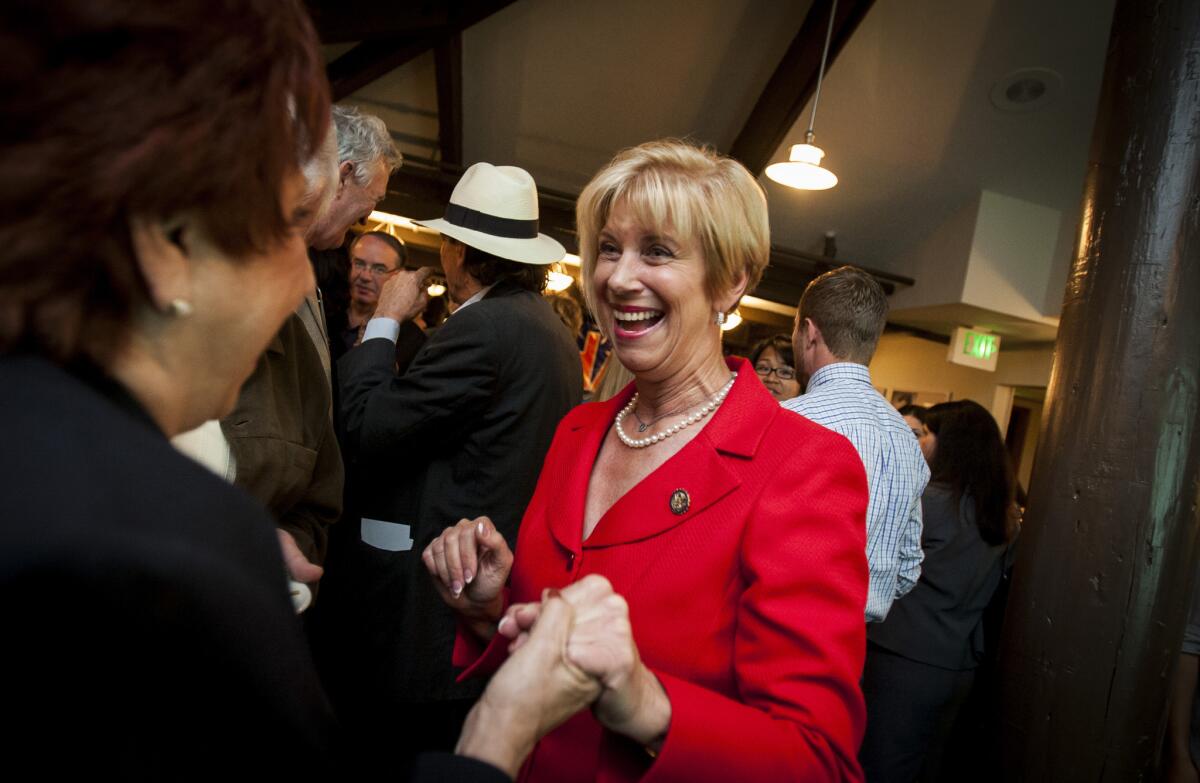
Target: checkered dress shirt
(841,398)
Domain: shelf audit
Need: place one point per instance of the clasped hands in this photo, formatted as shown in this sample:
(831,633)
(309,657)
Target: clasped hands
(573,648)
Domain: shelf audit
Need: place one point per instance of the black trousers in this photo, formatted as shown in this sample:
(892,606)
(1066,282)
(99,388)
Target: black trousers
(911,707)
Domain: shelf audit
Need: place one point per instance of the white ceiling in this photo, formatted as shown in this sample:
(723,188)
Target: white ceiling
(558,86)
(907,125)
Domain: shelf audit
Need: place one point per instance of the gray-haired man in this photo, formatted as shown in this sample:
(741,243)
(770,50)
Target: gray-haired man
(281,434)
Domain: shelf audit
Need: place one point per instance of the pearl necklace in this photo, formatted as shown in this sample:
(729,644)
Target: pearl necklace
(642,443)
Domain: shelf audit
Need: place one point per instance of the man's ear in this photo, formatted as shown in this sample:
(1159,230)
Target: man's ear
(812,335)
(160,248)
(345,171)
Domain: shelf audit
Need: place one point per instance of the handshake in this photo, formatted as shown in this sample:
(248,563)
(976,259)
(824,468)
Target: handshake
(571,650)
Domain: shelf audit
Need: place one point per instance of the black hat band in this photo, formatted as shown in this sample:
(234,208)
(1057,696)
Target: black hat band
(465,217)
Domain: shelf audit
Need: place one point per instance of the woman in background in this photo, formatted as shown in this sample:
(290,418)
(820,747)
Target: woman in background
(775,365)
(914,416)
(921,659)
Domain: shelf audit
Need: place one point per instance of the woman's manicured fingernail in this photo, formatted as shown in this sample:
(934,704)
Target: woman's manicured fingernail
(468,576)
(480,528)
(456,588)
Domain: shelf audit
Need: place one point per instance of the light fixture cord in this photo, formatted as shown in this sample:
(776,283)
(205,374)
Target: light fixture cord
(808,137)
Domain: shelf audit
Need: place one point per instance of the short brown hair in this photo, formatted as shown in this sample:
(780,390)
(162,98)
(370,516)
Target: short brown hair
(850,308)
(395,244)
(137,108)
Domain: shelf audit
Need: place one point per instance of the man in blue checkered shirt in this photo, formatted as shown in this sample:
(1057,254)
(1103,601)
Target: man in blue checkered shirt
(838,324)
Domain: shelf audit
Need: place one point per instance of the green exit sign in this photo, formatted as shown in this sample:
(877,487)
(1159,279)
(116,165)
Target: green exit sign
(974,348)
(979,345)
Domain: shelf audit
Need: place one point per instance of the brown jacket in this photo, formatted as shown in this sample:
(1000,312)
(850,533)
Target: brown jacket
(282,438)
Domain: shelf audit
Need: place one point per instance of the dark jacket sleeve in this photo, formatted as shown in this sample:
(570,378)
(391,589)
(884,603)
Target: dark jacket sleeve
(450,380)
(448,768)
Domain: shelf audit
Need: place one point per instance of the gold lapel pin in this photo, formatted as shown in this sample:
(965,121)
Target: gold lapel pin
(680,502)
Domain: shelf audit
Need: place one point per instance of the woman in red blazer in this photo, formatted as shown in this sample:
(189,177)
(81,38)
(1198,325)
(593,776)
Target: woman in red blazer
(733,529)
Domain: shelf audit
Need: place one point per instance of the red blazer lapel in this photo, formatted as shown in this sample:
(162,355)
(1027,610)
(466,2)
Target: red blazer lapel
(681,488)
(695,478)
(573,462)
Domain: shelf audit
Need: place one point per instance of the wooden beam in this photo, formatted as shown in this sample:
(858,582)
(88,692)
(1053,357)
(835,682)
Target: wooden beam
(371,59)
(448,62)
(378,54)
(343,21)
(794,81)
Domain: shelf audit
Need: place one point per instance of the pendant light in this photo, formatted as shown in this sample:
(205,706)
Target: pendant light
(803,169)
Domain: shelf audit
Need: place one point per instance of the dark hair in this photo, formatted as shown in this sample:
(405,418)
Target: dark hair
(782,343)
(569,312)
(489,269)
(396,245)
(850,308)
(918,412)
(131,108)
(971,459)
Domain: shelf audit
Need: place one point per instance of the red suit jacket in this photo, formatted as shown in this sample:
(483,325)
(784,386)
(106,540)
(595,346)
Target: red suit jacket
(748,606)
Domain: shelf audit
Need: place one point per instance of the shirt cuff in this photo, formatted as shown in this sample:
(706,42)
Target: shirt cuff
(387,328)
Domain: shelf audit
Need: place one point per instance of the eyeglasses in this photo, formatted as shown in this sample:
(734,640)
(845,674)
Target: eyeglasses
(378,270)
(783,372)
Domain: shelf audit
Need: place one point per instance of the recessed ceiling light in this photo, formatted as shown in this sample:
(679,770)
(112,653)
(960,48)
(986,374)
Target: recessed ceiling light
(1026,90)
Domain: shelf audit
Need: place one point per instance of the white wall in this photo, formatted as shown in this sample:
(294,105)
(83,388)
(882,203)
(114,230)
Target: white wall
(1012,256)
(911,363)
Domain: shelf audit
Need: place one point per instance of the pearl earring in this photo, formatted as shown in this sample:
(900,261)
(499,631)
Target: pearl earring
(179,308)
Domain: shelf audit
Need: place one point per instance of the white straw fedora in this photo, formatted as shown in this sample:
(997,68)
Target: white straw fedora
(495,209)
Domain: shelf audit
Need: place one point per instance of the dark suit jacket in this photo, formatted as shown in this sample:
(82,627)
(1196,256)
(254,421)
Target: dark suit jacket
(147,627)
(460,433)
(940,622)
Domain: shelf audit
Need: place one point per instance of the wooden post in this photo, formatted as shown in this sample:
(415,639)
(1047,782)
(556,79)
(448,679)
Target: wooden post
(1108,553)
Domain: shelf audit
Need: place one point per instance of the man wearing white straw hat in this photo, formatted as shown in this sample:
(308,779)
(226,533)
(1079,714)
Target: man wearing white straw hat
(459,433)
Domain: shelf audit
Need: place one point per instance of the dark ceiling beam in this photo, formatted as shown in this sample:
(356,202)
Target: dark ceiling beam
(371,59)
(344,21)
(380,53)
(448,61)
(794,81)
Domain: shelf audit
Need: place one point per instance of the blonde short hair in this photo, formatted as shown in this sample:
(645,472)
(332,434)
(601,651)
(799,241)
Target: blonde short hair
(699,193)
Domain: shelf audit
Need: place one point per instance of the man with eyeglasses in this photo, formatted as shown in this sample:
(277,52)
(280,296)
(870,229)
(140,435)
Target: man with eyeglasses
(374,257)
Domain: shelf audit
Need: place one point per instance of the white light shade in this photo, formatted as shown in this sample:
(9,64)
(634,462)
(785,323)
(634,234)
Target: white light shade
(435,289)
(732,320)
(558,281)
(803,171)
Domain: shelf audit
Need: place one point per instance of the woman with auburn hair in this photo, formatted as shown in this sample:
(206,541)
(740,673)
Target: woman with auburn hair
(150,247)
(712,541)
(921,660)
(151,243)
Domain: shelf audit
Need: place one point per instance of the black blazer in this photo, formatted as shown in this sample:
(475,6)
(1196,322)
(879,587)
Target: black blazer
(147,627)
(940,622)
(460,433)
